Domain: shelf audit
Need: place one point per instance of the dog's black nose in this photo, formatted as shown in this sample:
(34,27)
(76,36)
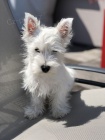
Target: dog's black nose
(45,69)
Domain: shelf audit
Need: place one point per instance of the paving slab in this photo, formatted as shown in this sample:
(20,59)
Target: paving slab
(90,57)
(85,122)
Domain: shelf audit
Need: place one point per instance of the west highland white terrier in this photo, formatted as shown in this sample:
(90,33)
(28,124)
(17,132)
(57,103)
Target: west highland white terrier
(44,73)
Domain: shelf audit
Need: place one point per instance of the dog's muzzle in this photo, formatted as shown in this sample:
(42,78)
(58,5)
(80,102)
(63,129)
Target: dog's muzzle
(45,69)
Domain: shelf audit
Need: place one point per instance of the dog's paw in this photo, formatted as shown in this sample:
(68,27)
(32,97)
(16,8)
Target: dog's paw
(61,112)
(32,113)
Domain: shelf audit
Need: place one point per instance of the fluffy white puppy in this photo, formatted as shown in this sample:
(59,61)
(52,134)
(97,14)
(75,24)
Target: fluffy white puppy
(44,73)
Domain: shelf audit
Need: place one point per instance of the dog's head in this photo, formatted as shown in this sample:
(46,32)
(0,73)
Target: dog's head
(45,45)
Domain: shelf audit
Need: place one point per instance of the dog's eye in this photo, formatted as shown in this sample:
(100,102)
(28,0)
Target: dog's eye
(37,50)
(54,51)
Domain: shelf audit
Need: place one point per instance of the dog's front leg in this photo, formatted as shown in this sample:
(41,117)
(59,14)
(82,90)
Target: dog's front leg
(60,106)
(35,108)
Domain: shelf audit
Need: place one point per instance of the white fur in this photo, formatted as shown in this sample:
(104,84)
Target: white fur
(58,81)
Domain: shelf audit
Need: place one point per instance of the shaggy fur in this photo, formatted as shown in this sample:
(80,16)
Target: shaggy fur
(45,46)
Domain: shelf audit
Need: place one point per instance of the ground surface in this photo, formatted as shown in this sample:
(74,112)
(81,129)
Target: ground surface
(90,57)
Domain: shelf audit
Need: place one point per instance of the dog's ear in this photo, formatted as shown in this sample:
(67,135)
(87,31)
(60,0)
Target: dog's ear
(64,28)
(31,25)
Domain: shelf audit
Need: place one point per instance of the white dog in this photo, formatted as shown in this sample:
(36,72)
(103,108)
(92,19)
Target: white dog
(44,73)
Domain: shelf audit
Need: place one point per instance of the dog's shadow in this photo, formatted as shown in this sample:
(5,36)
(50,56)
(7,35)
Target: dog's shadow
(80,113)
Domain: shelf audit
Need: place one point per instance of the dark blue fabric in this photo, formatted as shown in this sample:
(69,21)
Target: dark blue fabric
(43,9)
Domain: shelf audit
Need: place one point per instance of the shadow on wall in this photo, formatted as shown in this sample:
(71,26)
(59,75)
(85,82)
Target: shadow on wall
(69,8)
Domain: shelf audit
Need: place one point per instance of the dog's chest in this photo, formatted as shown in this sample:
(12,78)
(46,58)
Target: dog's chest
(46,85)
(48,81)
